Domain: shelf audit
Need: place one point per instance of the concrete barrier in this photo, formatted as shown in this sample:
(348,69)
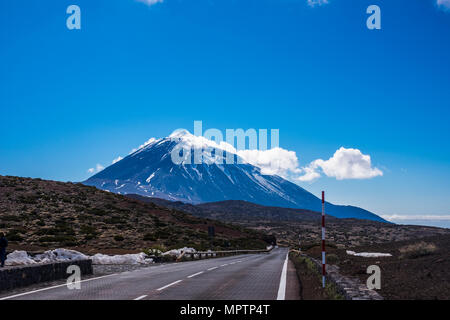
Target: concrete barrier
(21,276)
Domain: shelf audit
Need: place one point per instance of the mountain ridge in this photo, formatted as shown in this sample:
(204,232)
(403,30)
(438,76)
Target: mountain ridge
(150,171)
(236,210)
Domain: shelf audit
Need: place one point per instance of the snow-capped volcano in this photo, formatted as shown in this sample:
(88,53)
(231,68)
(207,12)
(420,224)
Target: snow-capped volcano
(160,168)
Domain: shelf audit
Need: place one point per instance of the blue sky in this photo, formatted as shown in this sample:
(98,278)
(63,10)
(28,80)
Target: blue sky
(71,99)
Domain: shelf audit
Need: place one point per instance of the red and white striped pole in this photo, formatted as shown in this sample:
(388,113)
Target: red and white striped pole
(323,240)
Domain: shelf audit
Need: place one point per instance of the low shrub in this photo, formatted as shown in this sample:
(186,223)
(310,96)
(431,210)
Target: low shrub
(417,250)
(14,237)
(332,258)
(150,237)
(119,238)
(306,267)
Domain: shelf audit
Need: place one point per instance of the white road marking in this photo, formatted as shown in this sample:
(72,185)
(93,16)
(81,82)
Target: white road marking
(141,297)
(282,288)
(212,268)
(169,285)
(49,288)
(195,274)
(232,262)
(223,265)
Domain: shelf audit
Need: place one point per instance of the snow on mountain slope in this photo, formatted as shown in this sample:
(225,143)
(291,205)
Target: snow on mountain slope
(150,171)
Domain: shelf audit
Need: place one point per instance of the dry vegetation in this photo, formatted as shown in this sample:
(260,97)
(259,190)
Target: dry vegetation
(417,250)
(289,225)
(38,214)
(311,280)
(344,233)
(416,269)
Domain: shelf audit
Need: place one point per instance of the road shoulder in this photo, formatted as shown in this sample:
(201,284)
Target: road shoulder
(292,283)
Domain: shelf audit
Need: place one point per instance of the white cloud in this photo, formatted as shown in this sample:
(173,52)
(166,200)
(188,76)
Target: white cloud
(151,2)
(277,161)
(313,3)
(97,169)
(344,164)
(403,217)
(117,159)
(309,174)
(443,4)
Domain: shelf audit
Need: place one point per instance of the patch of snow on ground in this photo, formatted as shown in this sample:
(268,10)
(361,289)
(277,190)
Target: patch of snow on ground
(197,172)
(59,255)
(179,252)
(137,258)
(18,258)
(228,175)
(150,177)
(368,254)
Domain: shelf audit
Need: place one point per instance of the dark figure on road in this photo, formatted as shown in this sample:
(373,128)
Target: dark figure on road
(3,245)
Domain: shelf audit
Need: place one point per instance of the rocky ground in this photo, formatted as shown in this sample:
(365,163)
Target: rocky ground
(343,233)
(418,268)
(39,215)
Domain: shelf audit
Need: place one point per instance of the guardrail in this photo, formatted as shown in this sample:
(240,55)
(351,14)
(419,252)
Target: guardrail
(213,254)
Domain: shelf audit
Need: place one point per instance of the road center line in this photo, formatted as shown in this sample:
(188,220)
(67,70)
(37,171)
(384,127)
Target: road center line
(169,285)
(223,265)
(141,297)
(195,274)
(212,268)
(282,288)
(49,288)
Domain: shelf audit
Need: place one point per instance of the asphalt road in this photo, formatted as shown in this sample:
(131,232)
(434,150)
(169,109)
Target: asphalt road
(243,277)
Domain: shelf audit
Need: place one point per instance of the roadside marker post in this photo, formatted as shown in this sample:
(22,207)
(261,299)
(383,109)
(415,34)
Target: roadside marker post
(323,240)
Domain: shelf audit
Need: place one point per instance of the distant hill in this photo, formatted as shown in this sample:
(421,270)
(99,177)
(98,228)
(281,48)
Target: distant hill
(150,171)
(291,225)
(39,214)
(237,210)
